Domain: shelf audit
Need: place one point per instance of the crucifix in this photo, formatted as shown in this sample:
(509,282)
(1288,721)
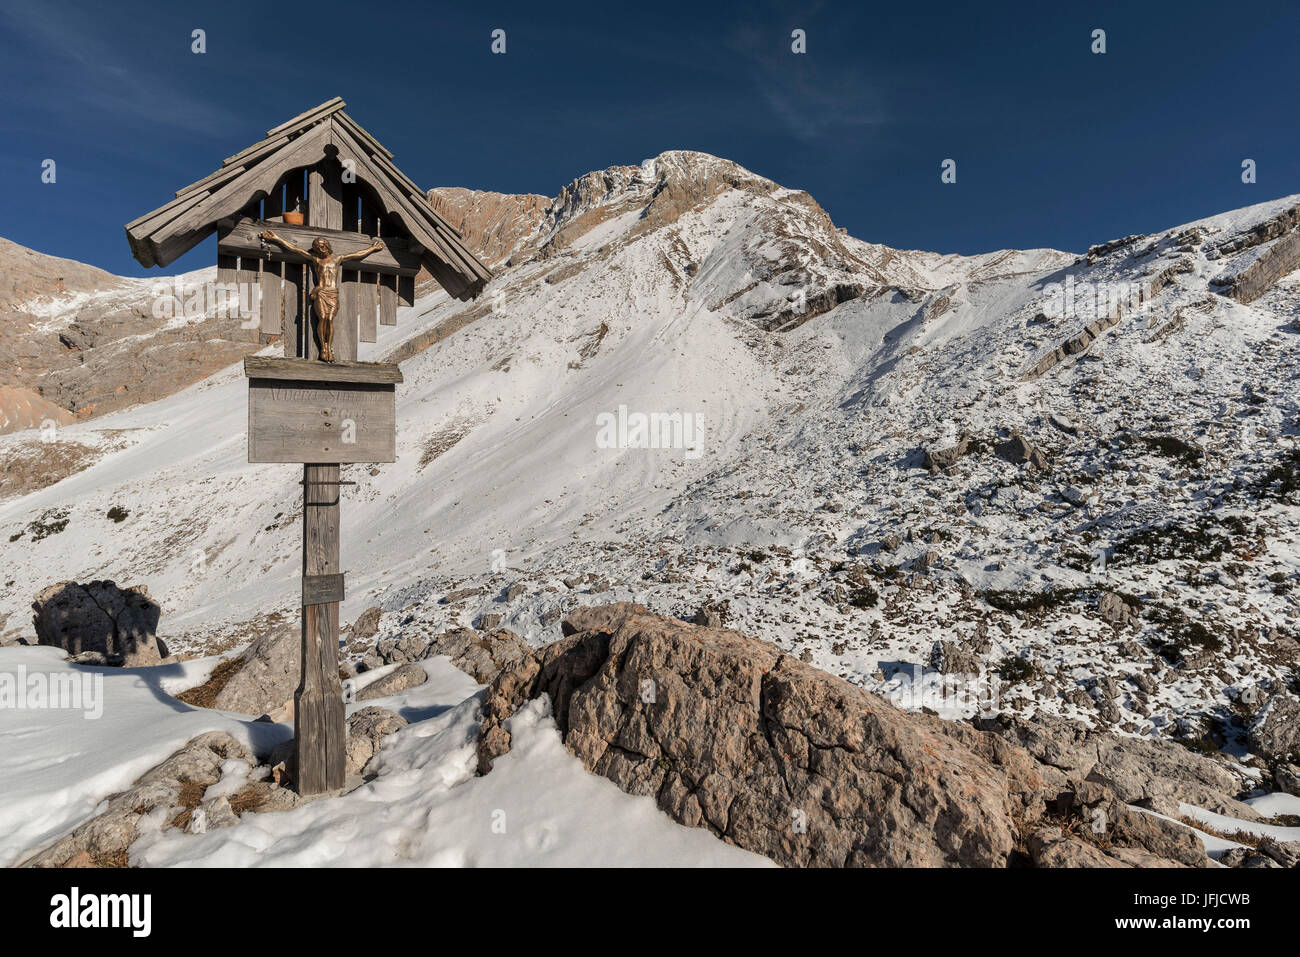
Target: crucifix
(325,271)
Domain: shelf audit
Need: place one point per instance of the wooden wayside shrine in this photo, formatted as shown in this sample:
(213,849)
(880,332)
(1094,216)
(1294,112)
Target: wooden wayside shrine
(328,278)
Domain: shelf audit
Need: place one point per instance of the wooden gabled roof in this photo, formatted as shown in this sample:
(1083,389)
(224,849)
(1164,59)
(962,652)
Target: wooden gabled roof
(159,237)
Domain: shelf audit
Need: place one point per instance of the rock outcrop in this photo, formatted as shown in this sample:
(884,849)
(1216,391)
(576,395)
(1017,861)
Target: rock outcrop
(402,678)
(938,459)
(100,622)
(367,728)
(1020,451)
(479,654)
(82,341)
(728,733)
(1152,773)
(494,225)
(178,787)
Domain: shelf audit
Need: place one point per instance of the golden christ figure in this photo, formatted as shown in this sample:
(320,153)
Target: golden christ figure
(325,293)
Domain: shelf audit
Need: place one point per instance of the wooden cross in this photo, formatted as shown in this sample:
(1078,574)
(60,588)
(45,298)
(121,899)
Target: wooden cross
(301,410)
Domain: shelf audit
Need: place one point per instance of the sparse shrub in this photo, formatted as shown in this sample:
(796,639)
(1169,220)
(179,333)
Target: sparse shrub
(50,523)
(117,513)
(1012,600)
(1015,669)
(1182,636)
(1172,447)
(1282,481)
(864,597)
(1197,542)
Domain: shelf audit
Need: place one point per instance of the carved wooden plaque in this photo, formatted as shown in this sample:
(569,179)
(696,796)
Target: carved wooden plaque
(311,412)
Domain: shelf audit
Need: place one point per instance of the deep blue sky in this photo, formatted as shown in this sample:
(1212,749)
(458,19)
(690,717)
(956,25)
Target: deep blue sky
(1055,146)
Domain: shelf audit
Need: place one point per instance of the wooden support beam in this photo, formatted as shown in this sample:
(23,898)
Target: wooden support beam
(272,272)
(388,300)
(349,294)
(364,307)
(249,277)
(330,202)
(368,304)
(345,329)
(295,282)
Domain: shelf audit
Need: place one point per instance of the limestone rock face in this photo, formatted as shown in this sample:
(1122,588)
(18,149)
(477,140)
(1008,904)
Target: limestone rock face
(1149,772)
(494,225)
(102,619)
(85,342)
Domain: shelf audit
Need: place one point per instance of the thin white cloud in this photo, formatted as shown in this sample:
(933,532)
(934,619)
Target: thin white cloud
(94,74)
(812,97)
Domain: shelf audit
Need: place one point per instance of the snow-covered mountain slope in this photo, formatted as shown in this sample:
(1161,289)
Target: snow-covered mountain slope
(808,373)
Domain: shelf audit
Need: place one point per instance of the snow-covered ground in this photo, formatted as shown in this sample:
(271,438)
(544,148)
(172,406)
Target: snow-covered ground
(538,807)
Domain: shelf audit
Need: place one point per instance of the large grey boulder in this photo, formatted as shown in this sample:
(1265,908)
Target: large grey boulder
(366,626)
(728,733)
(396,651)
(1114,610)
(267,674)
(100,619)
(1020,451)
(948,658)
(1287,778)
(941,459)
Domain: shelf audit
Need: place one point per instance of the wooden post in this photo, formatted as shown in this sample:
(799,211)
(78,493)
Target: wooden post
(320,730)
